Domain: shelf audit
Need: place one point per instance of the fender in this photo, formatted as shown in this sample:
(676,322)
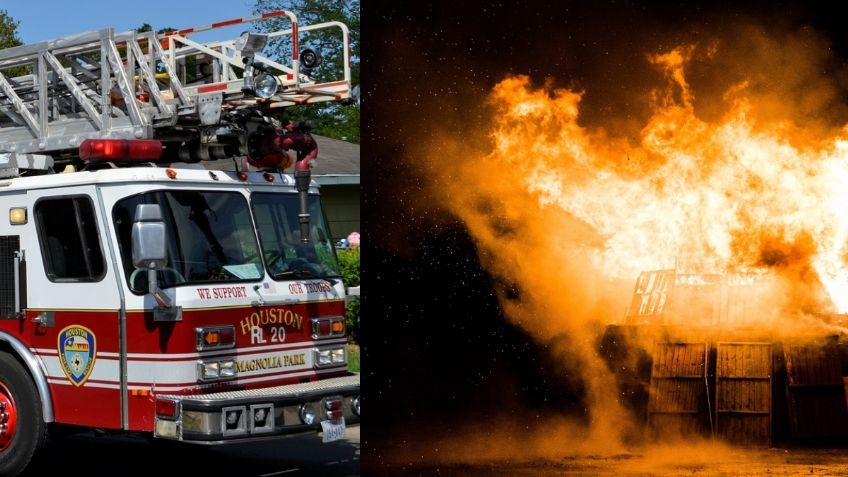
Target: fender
(34,365)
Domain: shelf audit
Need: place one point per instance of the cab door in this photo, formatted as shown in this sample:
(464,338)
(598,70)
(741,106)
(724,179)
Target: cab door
(74,306)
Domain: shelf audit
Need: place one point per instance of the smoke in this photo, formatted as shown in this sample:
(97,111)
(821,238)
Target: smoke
(790,79)
(738,167)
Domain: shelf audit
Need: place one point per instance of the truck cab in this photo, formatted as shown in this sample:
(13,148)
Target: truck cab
(251,342)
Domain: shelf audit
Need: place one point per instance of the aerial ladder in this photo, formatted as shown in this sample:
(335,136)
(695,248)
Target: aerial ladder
(200,100)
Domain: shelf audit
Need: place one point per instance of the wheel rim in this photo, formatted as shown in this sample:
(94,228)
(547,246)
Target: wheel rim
(8,417)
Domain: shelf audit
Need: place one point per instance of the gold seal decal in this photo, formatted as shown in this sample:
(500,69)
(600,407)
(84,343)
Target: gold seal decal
(77,353)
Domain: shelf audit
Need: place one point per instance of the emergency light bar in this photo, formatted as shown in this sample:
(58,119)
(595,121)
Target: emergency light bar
(120,150)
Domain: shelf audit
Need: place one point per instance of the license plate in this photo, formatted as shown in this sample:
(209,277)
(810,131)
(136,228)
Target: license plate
(333,430)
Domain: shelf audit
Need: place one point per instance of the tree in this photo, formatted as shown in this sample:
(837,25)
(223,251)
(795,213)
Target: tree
(8,31)
(349,263)
(8,39)
(340,121)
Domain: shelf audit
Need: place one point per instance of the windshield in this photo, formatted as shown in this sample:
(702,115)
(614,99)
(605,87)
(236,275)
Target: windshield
(285,255)
(210,238)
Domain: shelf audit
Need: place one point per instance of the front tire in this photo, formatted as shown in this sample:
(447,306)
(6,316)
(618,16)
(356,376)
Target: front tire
(20,411)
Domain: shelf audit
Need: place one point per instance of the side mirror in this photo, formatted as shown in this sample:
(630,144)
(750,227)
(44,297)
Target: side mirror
(150,253)
(148,238)
(352,293)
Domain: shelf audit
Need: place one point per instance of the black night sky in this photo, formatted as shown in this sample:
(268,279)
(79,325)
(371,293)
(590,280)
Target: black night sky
(437,351)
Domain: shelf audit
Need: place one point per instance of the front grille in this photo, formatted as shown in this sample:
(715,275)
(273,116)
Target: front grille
(287,391)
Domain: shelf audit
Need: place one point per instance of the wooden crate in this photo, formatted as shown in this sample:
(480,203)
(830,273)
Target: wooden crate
(743,393)
(677,393)
(815,392)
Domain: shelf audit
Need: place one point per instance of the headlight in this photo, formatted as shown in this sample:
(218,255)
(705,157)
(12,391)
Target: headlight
(323,357)
(329,357)
(307,414)
(266,85)
(227,369)
(209,371)
(216,370)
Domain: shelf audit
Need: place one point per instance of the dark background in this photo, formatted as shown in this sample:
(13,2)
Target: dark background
(438,354)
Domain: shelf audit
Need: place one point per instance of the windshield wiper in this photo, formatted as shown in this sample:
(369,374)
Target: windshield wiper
(301,273)
(295,274)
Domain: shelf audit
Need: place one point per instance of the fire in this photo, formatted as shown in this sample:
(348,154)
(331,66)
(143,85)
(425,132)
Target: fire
(566,215)
(720,196)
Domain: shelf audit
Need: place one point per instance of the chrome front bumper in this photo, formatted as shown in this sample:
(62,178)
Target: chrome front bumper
(255,413)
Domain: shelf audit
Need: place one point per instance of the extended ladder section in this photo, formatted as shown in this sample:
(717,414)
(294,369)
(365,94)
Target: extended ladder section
(55,94)
(219,65)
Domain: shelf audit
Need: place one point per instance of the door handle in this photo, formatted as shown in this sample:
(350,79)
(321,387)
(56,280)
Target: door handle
(45,318)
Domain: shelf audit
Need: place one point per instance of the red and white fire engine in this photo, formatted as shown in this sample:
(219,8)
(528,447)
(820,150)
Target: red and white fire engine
(143,292)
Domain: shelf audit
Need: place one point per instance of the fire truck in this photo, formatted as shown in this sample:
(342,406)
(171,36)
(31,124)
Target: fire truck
(142,291)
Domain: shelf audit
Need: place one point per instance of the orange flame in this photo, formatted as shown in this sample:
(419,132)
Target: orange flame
(566,217)
(695,195)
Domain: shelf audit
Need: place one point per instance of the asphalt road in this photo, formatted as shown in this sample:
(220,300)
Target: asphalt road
(128,456)
(697,460)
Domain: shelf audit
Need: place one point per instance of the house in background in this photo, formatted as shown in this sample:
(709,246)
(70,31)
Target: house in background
(337,173)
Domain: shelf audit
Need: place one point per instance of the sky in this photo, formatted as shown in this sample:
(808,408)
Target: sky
(49,19)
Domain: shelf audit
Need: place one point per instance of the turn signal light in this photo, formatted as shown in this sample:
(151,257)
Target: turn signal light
(166,408)
(216,337)
(328,327)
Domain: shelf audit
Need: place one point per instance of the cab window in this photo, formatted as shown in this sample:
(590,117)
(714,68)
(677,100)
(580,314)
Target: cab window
(67,231)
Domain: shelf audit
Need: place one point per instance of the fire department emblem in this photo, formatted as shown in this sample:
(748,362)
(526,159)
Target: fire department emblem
(77,352)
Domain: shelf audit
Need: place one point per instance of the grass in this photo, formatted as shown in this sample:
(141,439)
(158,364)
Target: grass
(353,357)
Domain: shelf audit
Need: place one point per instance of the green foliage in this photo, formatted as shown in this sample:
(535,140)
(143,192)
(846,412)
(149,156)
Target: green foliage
(352,320)
(8,39)
(145,27)
(349,263)
(8,31)
(335,120)
(353,358)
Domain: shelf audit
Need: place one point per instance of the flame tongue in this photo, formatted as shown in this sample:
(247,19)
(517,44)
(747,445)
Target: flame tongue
(695,195)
